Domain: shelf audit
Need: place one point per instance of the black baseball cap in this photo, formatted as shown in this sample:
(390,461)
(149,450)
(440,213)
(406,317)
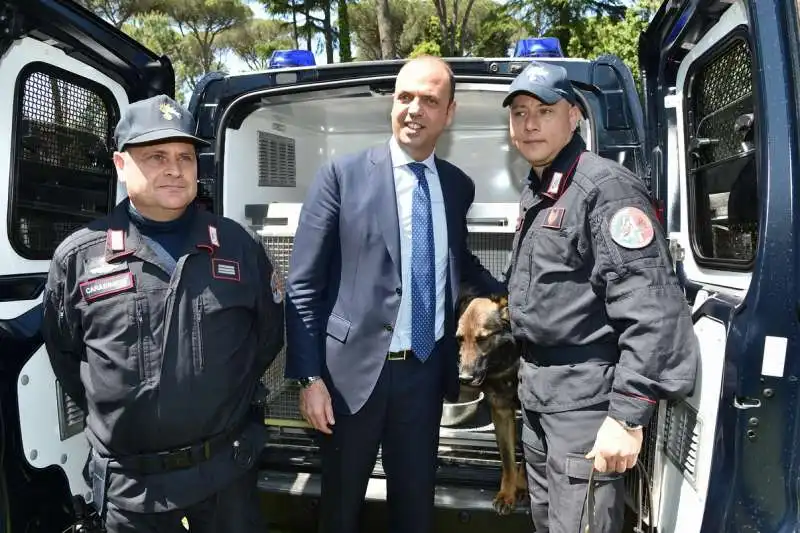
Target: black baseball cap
(545,82)
(159,118)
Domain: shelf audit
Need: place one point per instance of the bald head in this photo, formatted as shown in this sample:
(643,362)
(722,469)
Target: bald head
(432,64)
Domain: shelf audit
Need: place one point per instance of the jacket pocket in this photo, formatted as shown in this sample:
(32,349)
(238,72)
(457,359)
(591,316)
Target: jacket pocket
(338,327)
(579,467)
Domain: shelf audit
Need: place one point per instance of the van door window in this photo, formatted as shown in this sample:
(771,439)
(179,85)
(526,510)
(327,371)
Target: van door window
(62,173)
(721,157)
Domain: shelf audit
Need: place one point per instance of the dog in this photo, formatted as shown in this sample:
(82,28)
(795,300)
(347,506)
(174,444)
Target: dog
(489,361)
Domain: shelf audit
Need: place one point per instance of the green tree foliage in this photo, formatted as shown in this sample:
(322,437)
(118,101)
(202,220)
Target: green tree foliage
(117,12)
(255,41)
(203,21)
(598,35)
(558,18)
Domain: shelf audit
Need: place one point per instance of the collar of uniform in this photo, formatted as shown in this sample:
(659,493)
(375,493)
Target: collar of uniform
(123,238)
(401,158)
(558,175)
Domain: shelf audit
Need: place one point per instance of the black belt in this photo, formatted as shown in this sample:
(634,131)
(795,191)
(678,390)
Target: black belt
(599,352)
(180,458)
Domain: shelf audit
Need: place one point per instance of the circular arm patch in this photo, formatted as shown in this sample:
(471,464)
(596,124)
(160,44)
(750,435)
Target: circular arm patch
(631,228)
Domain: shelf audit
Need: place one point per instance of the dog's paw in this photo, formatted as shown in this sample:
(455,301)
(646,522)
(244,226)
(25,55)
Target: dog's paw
(503,504)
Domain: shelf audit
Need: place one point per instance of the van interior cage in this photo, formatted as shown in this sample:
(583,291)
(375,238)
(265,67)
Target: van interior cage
(63,174)
(721,145)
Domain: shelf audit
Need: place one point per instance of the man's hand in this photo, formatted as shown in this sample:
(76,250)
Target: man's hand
(615,448)
(315,406)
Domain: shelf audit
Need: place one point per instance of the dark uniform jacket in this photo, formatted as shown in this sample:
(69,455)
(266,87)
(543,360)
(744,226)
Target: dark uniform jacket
(599,319)
(162,361)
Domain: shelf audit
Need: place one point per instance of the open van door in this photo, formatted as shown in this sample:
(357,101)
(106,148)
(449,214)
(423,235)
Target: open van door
(270,133)
(720,79)
(65,76)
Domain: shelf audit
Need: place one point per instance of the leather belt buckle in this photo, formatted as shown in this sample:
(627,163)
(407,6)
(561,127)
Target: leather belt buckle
(177,459)
(398,356)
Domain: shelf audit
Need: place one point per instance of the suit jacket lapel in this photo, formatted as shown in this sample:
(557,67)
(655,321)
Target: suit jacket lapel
(386,204)
(451,211)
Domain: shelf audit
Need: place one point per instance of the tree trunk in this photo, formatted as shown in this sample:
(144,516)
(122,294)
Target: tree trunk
(327,28)
(345,55)
(463,29)
(441,11)
(309,27)
(294,25)
(385,30)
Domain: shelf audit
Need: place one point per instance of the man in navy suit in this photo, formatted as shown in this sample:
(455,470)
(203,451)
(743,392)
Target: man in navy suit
(379,256)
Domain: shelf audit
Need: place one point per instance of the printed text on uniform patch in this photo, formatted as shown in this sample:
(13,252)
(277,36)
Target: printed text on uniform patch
(106,286)
(225,269)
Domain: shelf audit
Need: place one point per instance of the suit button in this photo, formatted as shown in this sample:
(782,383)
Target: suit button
(388,327)
(399,291)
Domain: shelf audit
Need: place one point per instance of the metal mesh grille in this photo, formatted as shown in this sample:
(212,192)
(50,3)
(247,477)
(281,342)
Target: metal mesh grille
(276,161)
(724,92)
(491,248)
(647,458)
(65,125)
(283,395)
(64,173)
(724,176)
(682,438)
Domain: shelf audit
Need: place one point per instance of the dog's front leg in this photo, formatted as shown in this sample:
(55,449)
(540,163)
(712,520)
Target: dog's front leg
(505,430)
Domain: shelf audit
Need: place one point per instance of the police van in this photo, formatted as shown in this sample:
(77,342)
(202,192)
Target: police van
(714,134)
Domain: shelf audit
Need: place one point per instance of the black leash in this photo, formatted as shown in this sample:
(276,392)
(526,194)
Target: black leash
(589,501)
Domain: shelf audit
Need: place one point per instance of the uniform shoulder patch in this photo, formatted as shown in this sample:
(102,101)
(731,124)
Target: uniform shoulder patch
(631,228)
(277,289)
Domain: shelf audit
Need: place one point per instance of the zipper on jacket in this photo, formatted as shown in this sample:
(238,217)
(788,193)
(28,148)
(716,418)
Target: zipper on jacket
(199,360)
(140,340)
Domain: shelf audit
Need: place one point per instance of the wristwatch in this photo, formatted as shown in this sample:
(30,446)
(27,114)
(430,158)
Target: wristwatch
(628,426)
(306,382)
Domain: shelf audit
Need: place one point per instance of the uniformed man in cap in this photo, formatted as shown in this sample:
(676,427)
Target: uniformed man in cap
(603,325)
(159,321)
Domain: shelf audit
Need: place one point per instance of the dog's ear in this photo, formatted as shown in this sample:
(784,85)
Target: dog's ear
(501,300)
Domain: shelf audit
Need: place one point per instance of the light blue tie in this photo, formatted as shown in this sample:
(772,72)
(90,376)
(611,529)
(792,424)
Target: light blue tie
(423,277)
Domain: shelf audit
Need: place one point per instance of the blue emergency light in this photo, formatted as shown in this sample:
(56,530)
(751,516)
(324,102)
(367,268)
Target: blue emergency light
(538,47)
(291,58)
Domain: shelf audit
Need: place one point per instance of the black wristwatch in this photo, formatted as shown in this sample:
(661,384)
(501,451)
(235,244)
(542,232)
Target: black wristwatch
(306,382)
(629,426)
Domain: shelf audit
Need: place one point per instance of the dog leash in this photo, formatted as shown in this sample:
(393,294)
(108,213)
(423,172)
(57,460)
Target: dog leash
(589,501)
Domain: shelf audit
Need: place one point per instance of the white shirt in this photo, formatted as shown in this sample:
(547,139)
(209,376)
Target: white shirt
(404,183)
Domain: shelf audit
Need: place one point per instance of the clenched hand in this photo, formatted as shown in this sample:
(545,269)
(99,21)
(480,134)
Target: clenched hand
(615,449)
(316,408)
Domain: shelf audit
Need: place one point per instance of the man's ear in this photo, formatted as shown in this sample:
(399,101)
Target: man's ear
(119,164)
(451,112)
(574,116)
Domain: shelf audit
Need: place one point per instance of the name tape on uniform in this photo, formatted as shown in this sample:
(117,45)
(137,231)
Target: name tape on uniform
(225,269)
(106,286)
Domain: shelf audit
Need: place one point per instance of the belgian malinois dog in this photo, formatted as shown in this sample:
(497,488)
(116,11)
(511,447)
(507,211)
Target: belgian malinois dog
(489,361)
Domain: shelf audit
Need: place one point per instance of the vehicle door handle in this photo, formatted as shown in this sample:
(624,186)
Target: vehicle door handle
(746,403)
